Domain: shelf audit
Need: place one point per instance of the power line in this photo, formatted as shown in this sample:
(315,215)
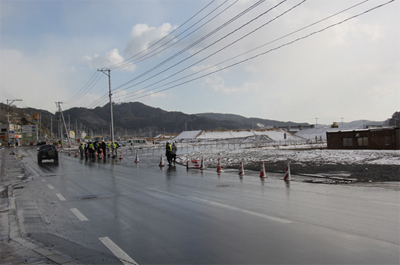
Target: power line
(196,42)
(86,88)
(175,40)
(142,90)
(266,52)
(214,53)
(126,63)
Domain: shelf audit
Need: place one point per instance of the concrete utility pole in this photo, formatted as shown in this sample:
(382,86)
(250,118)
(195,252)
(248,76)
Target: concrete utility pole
(8,116)
(65,126)
(107,72)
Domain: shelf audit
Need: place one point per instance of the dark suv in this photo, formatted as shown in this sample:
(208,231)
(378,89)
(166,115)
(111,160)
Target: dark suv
(47,152)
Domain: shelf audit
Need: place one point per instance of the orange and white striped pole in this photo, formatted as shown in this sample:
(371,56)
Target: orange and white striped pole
(219,168)
(287,173)
(241,169)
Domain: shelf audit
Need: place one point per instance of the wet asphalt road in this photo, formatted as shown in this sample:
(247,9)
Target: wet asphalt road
(117,211)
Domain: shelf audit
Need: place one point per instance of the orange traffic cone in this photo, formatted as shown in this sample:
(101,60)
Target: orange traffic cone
(262,172)
(187,164)
(241,169)
(202,165)
(287,174)
(219,168)
(101,154)
(120,156)
(137,158)
(161,161)
(76,153)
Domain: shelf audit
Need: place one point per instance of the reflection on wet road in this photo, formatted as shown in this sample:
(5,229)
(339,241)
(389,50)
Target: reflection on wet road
(119,211)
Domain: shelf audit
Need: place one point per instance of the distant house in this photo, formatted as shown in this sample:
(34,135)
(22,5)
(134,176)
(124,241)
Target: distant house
(378,138)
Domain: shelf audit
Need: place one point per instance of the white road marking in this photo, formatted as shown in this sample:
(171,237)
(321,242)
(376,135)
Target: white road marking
(387,203)
(60,197)
(277,219)
(50,187)
(44,180)
(79,215)
(119,253)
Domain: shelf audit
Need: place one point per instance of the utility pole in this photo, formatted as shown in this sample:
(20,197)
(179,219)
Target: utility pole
(342,122)
(76,129)
(65,126)
(8,116)
(107,72)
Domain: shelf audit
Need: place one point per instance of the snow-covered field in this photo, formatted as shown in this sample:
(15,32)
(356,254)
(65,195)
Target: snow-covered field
(278,150)
(297,153)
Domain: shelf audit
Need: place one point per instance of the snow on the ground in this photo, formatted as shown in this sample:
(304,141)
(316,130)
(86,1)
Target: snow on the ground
(187,135)
(319,132)
(271,134)
(295,154)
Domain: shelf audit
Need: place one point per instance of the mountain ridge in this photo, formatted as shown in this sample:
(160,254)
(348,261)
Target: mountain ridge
(135,118)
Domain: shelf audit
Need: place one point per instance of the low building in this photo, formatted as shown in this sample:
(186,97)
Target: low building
(376,138)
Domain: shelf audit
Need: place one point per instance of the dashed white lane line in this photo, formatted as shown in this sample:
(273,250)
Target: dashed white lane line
(50,187)
(79,215)
(60,197)
(43,180)
(119,253)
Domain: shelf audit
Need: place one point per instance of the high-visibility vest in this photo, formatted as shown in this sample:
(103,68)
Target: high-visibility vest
(169,147)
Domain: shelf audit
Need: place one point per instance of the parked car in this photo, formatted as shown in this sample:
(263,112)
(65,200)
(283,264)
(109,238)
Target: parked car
(47,152)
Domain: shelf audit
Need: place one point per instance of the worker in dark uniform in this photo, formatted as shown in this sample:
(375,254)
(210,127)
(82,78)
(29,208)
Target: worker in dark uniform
(173,152)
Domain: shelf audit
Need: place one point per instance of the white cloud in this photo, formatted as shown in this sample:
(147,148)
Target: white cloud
(157,95)
(142,36)
(217,84)
(111,58)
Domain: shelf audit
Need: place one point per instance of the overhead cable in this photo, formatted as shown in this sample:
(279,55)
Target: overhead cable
(118,65)
(269,51)
(194,43)
(175,40)
(214,53)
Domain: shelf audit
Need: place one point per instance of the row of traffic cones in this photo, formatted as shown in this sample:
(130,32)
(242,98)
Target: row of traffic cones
(262,171)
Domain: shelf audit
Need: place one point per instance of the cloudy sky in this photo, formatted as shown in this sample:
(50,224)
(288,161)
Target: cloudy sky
(290,60)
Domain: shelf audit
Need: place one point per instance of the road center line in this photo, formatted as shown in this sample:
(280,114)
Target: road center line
(277,219)
(60,197)
(119,253)
(79,215)
(50,187)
